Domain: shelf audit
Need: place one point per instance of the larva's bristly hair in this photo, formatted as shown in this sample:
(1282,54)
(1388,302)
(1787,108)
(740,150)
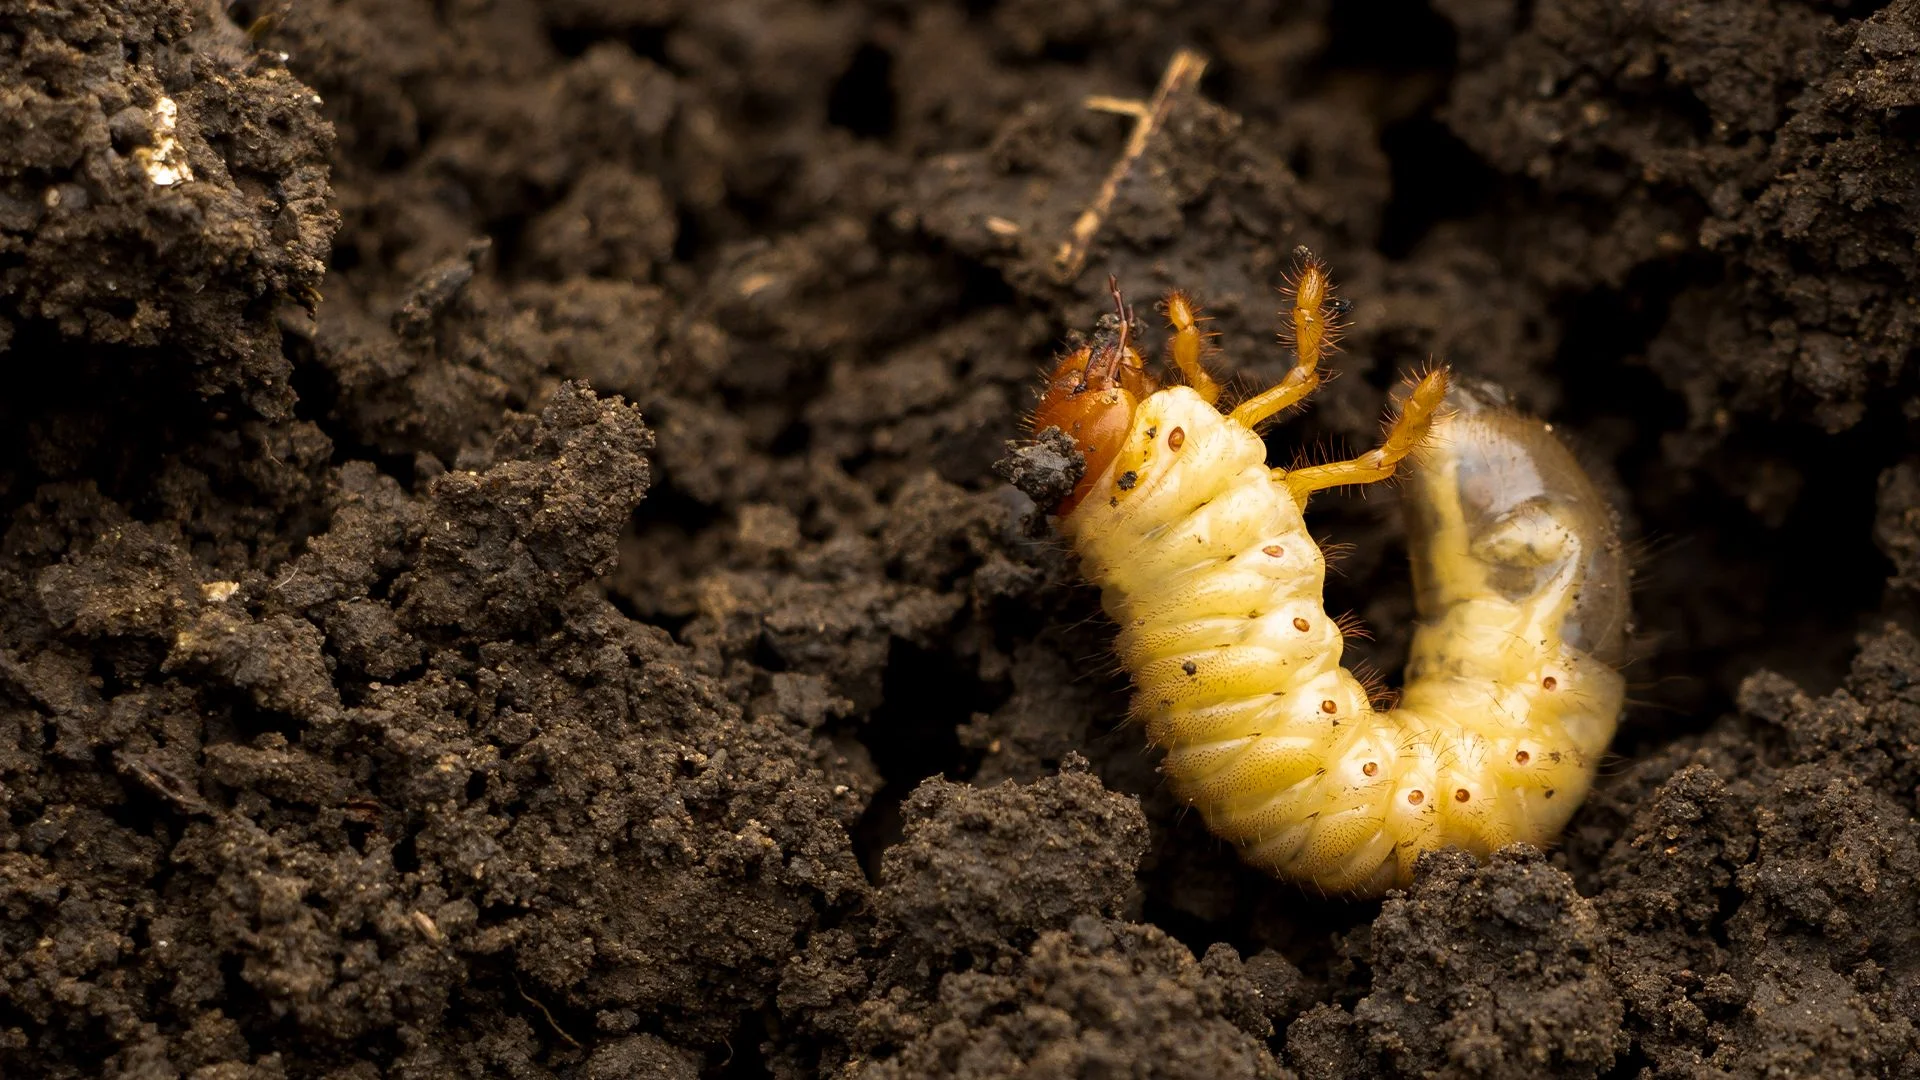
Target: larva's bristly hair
(1352,626)
(1380,696)
(1644,551)
(1635,698)
(1335,554)
(1318,452)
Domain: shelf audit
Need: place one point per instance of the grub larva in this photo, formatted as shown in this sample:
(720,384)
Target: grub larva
(1204,561)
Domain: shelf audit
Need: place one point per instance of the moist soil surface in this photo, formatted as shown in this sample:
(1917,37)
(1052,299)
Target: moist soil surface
(503,570)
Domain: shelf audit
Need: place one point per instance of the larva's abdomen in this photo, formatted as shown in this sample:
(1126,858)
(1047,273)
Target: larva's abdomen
(1510,698)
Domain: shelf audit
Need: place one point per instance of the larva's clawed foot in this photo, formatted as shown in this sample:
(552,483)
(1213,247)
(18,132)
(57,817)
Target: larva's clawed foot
(1408,431)
(1189,346)
(1313,329)
(1417,413)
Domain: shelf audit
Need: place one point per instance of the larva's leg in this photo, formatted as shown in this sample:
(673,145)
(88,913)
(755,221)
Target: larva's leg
(1409,430)
(1312,333)
(1189,345)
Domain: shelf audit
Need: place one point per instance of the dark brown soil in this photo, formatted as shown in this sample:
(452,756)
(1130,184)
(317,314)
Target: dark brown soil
(504,572)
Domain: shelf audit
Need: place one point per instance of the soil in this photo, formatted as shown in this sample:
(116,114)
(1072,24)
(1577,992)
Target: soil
(504,571)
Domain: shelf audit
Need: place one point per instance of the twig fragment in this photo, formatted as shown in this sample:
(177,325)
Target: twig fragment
(1182,74)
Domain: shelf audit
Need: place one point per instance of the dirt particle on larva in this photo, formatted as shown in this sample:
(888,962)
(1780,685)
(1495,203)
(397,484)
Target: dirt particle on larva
(1151,430)
(1190,668)
(1176,438)
(1300,624)
(1329,707)
(1416,797)
(1549,793)
(1127,480)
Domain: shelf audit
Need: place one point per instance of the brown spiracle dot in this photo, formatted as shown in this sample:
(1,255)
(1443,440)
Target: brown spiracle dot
(1461,794)
(1370,768)
(1300,624)
(1176,438)
(1329,707)
(1521,757)
(1416,797)
(1272,551)
(1549,682)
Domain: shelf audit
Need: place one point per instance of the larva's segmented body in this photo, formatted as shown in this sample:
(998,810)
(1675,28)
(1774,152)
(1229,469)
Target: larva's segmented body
(1204,561)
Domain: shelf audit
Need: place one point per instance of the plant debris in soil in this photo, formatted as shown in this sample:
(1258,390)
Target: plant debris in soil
(504,573)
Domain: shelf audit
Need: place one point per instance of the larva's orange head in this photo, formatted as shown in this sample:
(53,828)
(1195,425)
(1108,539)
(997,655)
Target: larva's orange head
(1091,396)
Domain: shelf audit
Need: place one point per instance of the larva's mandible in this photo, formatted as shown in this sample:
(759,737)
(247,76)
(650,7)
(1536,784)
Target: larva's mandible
(1205,563)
